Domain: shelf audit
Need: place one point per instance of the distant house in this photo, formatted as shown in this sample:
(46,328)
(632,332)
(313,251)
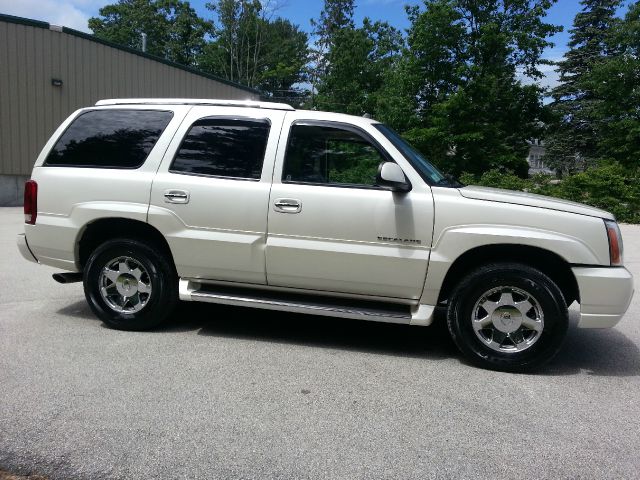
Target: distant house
(536,157)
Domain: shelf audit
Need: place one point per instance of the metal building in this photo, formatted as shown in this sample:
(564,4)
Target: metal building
(47,72)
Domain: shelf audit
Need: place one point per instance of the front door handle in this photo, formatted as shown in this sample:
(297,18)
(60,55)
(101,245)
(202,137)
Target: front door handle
(287,205)
(176,196)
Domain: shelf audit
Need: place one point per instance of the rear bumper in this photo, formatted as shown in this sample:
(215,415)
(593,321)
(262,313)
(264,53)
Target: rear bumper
(605,295)
(23,246)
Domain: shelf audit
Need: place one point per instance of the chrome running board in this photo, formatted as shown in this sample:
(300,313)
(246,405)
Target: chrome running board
(309,304)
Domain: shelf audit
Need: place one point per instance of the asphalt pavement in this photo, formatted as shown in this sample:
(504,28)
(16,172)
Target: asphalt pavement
(234,393)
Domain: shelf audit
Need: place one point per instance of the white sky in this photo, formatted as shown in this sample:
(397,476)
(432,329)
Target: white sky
(69,13)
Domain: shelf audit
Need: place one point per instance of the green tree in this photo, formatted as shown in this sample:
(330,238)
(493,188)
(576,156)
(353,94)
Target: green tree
(615,83)
(473,112)
(173,28)
(250,48)
(238,35)
(483,126)
(436,55)
(573,144)
(335,17)
(186,35)
(352,68)
(394,103)
(285,57)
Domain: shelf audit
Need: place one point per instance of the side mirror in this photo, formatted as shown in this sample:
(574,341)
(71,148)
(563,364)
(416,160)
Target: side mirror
(391,177)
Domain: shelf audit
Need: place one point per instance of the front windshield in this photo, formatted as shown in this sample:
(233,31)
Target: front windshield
(427,171)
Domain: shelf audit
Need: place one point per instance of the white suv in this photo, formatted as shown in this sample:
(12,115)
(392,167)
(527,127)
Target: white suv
(148,201)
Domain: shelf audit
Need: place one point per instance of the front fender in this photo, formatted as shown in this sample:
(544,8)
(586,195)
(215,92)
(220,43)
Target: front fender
(455,241)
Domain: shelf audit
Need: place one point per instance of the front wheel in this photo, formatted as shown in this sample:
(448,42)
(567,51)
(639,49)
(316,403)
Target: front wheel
(508,317)
(129,285)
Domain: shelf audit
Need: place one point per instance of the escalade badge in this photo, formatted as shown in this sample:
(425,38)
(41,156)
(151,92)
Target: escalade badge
(400,240)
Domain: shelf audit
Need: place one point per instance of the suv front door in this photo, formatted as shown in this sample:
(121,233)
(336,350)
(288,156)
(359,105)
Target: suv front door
(331,228)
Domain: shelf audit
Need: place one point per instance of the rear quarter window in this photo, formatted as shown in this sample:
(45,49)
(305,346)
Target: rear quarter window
(109,138)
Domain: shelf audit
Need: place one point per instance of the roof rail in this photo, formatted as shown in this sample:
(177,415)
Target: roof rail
(194,101)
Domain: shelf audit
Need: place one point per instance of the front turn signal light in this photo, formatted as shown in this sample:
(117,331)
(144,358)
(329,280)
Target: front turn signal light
(615,242)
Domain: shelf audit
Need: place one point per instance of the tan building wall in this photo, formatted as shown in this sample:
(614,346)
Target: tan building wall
(33,54)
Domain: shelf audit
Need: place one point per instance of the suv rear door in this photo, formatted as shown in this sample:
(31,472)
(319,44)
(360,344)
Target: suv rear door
(211,193)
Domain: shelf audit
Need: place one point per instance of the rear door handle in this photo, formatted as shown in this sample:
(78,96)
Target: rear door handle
(176,196)
(287,205)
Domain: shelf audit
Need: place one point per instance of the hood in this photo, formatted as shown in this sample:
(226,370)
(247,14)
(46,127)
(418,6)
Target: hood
(531,200)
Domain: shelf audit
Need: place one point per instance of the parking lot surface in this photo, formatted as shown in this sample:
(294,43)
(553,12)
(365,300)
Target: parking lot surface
(232,393)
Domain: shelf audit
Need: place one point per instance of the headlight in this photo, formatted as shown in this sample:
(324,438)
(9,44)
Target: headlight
(615,242)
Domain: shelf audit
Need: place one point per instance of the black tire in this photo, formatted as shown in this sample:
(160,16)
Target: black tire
(470,292)
(160,275)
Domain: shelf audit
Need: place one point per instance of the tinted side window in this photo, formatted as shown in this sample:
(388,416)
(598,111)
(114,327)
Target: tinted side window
(109,139)
(223,147)
(330,155)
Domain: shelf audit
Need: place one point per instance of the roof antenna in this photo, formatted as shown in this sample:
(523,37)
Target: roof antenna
(367,115)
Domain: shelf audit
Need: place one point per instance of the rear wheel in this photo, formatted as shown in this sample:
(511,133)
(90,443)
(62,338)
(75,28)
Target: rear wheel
(129,285)
(508,317)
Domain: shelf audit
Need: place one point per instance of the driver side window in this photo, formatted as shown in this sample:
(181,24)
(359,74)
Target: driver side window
(330,155)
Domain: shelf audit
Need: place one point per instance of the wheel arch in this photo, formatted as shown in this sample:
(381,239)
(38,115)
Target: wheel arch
(548,262)
(98,231)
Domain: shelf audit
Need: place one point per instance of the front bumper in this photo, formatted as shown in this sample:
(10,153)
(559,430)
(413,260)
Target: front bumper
(23,246)
(605,295)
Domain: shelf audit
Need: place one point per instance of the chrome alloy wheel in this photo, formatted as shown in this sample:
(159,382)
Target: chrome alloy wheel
(125,285)
(507,319)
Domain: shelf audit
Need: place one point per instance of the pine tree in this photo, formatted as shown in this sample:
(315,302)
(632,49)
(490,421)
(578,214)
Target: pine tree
(336,17)
(573,144)
(616,83)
